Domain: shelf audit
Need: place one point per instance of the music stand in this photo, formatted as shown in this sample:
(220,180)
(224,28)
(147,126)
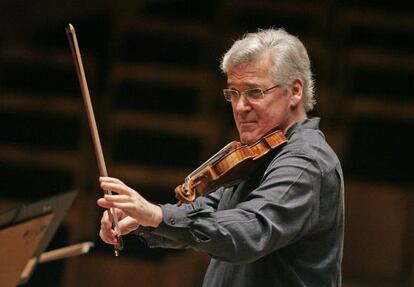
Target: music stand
(26,231)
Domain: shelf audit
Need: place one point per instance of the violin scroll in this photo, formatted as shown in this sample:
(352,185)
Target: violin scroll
(188,191)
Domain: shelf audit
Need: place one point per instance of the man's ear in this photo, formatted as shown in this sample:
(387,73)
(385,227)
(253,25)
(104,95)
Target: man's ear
(296,90)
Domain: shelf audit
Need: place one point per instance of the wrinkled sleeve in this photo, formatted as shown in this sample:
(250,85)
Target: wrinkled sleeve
(282,209)
(176,239)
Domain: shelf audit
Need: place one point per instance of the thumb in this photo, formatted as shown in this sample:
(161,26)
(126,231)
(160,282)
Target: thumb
(127,224)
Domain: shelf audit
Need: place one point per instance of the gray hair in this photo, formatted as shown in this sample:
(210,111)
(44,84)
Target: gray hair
(289,59)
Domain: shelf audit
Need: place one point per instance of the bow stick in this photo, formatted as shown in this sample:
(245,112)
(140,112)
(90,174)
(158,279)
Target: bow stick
(73,42)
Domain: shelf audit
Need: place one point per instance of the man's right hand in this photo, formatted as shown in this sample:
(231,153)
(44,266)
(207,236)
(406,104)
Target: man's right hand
(126,224)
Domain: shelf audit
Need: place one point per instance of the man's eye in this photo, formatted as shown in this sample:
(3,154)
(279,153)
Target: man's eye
(234,93)
(254,93)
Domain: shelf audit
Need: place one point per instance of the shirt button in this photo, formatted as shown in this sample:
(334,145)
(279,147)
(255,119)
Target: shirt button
(172,221)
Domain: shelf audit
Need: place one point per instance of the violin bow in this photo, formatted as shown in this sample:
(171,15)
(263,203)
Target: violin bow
(73,42)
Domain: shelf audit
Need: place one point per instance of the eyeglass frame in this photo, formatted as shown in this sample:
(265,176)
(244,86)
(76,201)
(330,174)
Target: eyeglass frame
(239,94)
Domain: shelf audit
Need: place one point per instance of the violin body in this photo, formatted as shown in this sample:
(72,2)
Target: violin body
(228,167)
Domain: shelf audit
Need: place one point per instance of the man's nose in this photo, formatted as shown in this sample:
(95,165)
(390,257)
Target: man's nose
(242,104)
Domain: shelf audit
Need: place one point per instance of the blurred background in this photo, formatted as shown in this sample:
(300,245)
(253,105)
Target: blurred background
(153,73)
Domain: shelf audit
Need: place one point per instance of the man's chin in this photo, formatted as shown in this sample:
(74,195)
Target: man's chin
(248,139)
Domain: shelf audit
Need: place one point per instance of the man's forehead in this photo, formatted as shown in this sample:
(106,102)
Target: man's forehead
(247,75)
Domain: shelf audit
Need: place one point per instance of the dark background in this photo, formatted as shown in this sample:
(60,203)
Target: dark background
(153,73)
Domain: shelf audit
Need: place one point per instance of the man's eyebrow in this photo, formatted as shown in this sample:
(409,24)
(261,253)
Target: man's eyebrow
(250,85)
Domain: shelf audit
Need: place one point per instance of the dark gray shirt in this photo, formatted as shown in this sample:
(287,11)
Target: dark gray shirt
(283,226)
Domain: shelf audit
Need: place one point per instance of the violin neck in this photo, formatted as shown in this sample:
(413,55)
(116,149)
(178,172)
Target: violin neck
(217,156)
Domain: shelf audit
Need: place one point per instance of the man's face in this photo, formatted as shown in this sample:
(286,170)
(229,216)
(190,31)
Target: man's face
(254,119)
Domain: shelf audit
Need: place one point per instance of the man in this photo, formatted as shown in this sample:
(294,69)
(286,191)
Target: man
(281,226)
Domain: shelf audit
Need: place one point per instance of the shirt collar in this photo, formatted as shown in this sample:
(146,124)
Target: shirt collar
(308,123)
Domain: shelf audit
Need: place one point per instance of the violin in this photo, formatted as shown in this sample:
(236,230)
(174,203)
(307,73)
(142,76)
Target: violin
(228,166)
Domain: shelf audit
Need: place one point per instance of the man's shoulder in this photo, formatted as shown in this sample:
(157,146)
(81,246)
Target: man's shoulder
(308,143)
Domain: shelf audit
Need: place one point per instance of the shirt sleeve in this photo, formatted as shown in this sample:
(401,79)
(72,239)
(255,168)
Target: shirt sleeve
(176,238)
(282,209)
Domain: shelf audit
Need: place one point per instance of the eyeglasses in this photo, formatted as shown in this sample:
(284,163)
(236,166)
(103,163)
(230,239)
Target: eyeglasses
(252,95)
